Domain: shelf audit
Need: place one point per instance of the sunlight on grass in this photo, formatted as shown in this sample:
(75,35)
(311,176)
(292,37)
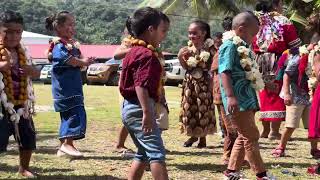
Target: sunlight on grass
(100,162)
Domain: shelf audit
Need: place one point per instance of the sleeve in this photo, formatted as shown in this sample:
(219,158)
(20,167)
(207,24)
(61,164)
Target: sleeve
(60,54)
(291,36)
(226,57)
(292,66)
(148,72)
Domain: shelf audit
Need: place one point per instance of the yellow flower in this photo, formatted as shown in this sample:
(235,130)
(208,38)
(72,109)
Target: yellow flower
(204,56)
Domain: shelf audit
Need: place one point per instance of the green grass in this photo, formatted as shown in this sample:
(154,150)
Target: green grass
(100,162)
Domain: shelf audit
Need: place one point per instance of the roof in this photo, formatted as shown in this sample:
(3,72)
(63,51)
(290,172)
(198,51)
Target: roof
(28,34)
(38,51)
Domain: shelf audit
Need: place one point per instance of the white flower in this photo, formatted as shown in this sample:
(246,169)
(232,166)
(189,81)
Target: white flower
(246,62)
(4,97)
(69,46)
(303,50)
(1,85)
(307,1)
(190,43)
(249,75)
(228,35)
(312,82)
(204,56)
(192,49)
(15,118)
(55,40)
(77,45)
(20,111)
(192,62)
(236,40)
(241,49)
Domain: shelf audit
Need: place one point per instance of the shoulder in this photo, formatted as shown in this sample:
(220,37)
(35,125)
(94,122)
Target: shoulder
(227,45)
(142,52)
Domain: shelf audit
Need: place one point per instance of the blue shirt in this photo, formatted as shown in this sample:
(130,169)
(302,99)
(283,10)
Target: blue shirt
(66,80)
(299,95)
(229,61)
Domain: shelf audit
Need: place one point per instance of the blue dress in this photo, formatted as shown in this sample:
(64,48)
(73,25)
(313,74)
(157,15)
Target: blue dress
(67,93)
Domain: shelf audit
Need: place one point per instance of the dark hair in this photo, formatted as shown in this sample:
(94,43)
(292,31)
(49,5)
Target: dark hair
(143,18)
(227,23)
(56,19)
(204,27)
(218,35)
(11,17)
(266,5)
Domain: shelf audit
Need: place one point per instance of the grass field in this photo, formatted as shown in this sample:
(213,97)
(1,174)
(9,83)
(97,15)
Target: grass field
(100,162)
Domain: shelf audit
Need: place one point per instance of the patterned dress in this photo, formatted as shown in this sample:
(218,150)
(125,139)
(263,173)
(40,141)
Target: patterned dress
(276,35)
(197,116)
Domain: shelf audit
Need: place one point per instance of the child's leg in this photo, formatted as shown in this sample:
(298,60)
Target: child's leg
(247,141)
(137,169)
(314,145)
(123,134)
(274,133)
(159,171)
(25,156)
(293,115)
(27,142)
(266,129)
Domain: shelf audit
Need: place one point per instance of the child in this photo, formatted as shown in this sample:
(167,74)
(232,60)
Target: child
(239,96)
(66,58)
(17,96)
(140,86)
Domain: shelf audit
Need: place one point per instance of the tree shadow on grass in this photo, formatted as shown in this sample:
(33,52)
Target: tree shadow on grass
(187,153)
(200,167)
(14,169)
(71,177)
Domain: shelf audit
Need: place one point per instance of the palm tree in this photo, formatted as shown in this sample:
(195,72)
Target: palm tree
(203,9)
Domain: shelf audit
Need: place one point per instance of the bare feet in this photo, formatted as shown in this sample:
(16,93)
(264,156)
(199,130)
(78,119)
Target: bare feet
(26,173)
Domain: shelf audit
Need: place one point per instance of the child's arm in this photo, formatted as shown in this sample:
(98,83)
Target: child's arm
(30,71)
(4,66)
(121,52)
(286,90)
(143,96)
(182,56)
(80,62)
(232,102)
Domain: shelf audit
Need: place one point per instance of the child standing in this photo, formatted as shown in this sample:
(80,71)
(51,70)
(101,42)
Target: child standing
(66,58)
(240,78)
(17,98)
(140,86)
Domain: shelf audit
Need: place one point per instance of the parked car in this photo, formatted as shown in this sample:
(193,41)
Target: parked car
(174,71)
(45,74)
(104,73)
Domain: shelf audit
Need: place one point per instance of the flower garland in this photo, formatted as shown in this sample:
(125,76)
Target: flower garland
(26,97)
(130,41)
(249,65)
(69,46)
(310,52)
(194,60)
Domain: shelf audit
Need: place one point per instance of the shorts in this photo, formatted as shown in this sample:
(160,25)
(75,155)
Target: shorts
(73,123)
(296,112)
(26,138)
(150,146)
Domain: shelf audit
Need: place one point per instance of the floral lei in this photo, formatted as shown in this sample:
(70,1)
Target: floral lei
(130,41)
(194,60)
(69,46)
(312,82)
(26,98)
(248,64)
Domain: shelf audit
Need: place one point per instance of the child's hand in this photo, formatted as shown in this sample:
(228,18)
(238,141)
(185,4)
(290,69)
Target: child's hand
(288,99)
(26,70)
(233,106)
(4,65)
(89,60)
(184,53)
(147,123)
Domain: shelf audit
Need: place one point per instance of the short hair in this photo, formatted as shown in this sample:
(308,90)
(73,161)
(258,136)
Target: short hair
(11,17)
(227,23)
(243,19)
